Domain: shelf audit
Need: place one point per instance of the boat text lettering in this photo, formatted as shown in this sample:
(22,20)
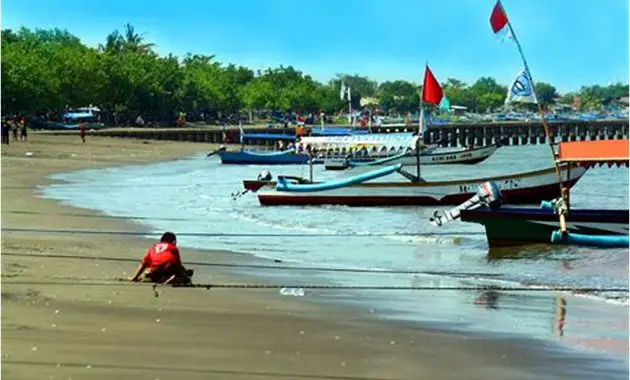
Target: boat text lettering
(507,184)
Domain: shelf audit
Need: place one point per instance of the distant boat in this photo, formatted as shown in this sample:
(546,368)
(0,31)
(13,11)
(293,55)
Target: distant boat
(243,157)
(249,157)
(463,156)
(72,120)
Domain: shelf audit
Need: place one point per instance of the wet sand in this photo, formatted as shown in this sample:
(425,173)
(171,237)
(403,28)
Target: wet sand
(55,327)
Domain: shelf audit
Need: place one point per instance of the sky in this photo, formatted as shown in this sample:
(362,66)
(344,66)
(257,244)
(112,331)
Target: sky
(568,43)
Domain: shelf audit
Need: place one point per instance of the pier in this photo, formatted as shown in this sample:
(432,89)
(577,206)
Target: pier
(446,135)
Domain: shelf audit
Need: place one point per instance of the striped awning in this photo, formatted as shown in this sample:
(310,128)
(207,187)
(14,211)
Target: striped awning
(600,152)
(378,141)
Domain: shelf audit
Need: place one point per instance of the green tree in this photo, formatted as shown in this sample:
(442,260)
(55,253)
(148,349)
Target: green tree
(546,93)
(398,96)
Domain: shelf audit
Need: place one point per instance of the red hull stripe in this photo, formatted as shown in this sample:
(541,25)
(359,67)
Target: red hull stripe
(530,195)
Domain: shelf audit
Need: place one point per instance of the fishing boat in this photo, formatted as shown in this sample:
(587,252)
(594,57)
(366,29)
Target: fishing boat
(553,221)
(519,226)
(321,146)
(251,157)
(522,188)
(430,157)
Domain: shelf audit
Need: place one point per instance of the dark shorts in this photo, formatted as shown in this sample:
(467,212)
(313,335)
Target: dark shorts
(163,273)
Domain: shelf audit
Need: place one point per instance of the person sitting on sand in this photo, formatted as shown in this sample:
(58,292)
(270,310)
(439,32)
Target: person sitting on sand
(163,263)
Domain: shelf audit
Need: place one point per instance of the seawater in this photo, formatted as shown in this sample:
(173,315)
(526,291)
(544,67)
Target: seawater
(194,195)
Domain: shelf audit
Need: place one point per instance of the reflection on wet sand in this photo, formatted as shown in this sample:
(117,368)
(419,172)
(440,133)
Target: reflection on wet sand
(561,314)
(488,299)
(530,251)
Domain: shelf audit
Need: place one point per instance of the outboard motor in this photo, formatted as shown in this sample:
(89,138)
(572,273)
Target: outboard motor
(488,195)
(264,175)
(222,148)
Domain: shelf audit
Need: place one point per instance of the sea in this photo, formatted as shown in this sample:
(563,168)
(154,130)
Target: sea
(198,198)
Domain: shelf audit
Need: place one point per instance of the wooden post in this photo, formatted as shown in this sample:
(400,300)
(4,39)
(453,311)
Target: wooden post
(418,157)
(310,166)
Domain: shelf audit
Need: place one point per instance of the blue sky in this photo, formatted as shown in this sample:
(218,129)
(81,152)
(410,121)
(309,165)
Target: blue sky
(568,43)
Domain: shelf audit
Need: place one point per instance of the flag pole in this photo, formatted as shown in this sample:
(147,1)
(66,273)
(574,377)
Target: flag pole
(420,120)
(563,191)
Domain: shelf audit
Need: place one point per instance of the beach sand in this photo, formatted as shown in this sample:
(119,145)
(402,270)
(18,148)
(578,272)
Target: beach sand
(55,328)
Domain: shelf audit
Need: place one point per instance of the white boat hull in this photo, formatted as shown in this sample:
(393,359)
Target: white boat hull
(523,188)
(472,156)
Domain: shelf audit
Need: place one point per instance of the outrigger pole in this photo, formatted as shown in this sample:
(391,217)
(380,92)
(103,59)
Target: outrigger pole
(563,191)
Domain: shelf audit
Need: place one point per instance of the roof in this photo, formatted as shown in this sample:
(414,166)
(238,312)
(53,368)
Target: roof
(378,140)
(268,136)
(595,152)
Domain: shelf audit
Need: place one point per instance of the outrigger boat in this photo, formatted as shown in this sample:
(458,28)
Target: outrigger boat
(320,146)
(248,157)
(523,188)
(520,226)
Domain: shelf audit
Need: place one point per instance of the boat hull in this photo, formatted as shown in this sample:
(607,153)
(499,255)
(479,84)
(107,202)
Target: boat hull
(524,188)
(520,226)
(472,156)
(251,158)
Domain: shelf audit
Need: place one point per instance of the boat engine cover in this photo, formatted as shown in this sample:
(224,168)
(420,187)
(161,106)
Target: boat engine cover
(490,194)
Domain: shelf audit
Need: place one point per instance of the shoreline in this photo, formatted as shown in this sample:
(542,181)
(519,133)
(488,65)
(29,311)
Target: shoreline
(302,310)
(475,326)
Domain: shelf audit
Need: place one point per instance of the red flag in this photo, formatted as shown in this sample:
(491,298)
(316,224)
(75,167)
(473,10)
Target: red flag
(431,90)
(498,19)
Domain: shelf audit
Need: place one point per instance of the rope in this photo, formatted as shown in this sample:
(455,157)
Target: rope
(98,216)
(274,267)
(208,286)
(79,215)
(221,234)
(123,186)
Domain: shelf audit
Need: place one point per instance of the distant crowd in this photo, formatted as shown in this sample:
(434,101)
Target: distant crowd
(12,125)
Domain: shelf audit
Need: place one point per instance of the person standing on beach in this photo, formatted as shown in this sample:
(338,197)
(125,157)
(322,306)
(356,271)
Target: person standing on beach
(14,129)
(162,263)
(5,132)
(82,128)
(23,130)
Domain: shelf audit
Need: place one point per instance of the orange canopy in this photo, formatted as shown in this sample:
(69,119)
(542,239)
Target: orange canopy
(595,152)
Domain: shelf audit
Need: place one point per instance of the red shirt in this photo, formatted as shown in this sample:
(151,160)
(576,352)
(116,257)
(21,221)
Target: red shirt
(161,254)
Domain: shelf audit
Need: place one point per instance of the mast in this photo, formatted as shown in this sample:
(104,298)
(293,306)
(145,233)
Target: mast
(420,133)
(563,191)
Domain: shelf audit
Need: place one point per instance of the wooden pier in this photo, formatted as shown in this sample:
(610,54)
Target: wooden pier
(447,135)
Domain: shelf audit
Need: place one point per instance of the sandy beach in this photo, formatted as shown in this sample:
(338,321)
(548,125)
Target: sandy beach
(54,327)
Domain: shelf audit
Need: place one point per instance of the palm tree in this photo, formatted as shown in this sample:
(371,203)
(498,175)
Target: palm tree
(113,43)
(130,41)
(134,41)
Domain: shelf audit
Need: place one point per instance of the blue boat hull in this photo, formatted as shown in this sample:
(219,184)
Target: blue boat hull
(252,158)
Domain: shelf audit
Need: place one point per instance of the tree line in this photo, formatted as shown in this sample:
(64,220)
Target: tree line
(45,71)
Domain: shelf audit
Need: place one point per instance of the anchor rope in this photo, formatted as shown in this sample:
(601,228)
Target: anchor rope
(208,286)
(260,266)
(221,234)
